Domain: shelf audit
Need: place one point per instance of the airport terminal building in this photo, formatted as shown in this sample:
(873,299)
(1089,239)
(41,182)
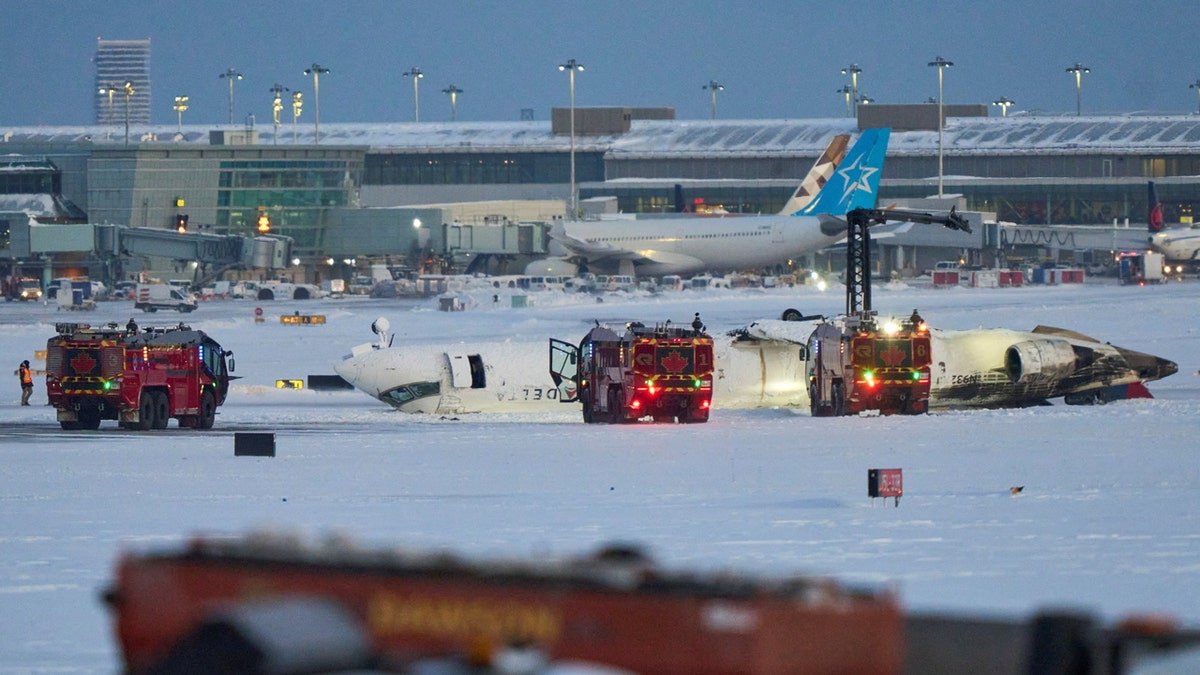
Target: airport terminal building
(357,193)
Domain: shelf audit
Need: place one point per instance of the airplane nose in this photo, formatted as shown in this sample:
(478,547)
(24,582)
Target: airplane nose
(1148,366)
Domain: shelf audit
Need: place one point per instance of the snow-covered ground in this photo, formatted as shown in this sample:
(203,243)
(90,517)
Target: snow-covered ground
(1108,520)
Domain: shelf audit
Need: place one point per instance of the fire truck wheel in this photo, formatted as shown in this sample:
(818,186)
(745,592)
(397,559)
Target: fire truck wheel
(615,414)
(162,410)
(69,426)
(146,410)
(208,410)
(837,397)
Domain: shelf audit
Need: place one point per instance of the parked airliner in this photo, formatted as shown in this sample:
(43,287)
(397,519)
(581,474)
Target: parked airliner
(659,246)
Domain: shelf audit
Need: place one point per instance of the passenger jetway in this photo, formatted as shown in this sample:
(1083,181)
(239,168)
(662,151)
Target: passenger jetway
(215,252)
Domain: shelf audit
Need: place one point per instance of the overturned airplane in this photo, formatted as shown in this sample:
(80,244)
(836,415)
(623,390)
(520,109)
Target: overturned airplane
(763,366)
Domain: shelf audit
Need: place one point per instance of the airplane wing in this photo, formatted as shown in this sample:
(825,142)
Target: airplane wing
(603,251)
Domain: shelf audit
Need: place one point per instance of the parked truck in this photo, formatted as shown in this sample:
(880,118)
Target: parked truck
(663,372)
(141,379)
(153,297)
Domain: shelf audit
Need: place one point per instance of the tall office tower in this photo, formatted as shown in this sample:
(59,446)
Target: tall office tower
(118,62)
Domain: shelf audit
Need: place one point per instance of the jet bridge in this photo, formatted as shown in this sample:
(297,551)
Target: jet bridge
(215,252)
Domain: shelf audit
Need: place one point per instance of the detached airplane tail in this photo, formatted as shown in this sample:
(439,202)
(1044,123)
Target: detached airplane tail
(855,184)
(1154,219)
(818,175)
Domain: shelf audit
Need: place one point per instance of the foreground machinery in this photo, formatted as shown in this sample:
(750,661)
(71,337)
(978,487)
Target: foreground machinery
(664,372)
(141,379)
(271,604)
(386,609)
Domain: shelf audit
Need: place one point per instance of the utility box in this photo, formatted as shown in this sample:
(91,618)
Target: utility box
(253,444)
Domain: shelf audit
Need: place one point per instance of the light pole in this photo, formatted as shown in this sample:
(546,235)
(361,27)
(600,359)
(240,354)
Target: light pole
(316,70)
(570,67)
(181,105)
(1196,85)
(276,107)
(1004,103)
(853,70)
(1079,70)
(297,105)
(416,75)
(231,75)
(453,92)
(941,64)
(713,87)
(110,90)
(128,89)
(847,91)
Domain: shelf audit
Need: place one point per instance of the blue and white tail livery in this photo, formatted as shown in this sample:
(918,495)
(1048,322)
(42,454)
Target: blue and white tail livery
(855,184)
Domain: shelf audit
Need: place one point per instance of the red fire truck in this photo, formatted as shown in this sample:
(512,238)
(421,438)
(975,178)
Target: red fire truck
(857,364)
(662,372)
(141,379)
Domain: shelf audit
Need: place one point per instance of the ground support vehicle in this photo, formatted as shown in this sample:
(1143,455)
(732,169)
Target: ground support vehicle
(153,297)
(616,608)
(662,372)
(141,379)
(856,362)
(1140,268)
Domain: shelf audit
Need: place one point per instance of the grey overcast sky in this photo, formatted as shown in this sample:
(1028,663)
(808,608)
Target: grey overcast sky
(777,59)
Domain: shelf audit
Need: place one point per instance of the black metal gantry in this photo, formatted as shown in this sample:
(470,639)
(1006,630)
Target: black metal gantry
(858,247)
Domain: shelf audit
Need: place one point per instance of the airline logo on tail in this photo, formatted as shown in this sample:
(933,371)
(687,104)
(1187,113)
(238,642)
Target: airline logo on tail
(856,182)
(1155,217)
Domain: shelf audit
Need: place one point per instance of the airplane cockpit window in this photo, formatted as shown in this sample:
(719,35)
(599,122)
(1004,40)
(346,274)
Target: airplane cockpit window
(410,392)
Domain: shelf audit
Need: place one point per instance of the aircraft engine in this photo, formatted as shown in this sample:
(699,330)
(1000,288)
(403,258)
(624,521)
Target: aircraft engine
(1039,360)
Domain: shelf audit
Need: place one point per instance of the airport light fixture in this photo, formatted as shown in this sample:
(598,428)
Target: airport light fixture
(181,106)
(941,65)
(416,75)
(713,87)
(1196,85)
(231,75)
(1079,70)
(570,67)
(847,92)
(317,70)
(453,92)
(276,107)
(864,99)
(128,89)
(853,71)
(110,90)
(1004,104)
(297,106)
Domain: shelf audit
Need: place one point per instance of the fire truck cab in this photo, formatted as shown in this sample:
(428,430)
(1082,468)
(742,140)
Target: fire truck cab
(661,372)
(141,379)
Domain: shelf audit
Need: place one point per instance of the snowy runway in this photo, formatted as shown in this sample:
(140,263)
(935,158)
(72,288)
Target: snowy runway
(1107,521)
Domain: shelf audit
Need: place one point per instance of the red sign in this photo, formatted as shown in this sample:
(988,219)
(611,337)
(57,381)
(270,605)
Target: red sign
(885,483)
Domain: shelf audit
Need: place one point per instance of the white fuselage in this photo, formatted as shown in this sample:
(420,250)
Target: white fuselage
(1179,243)
(686,246)
(968,370)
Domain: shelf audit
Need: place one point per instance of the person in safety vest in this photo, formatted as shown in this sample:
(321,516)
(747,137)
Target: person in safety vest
(26,376)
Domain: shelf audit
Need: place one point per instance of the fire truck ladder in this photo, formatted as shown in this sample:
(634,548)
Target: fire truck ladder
(858,247)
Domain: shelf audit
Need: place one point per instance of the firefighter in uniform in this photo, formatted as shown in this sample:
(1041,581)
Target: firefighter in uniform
(697,324)
(26,382)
